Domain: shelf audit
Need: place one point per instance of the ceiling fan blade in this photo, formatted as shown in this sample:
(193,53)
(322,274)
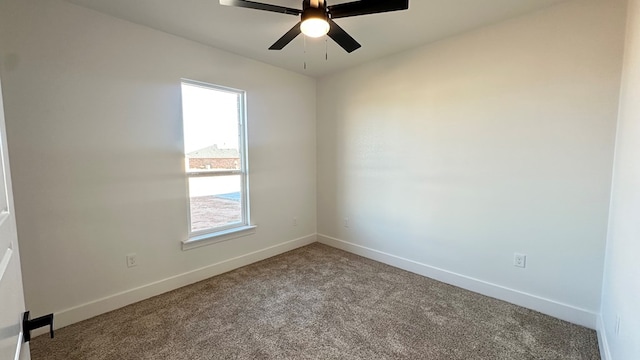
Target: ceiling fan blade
(365,7)
(341,37)
(286,38)
(261,6)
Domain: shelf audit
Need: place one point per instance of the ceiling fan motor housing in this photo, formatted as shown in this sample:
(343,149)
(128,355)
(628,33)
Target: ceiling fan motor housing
(314,13)
(309,4)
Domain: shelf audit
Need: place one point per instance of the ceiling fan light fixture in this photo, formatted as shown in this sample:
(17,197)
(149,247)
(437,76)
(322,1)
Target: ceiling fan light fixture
(314,22)
(315,27)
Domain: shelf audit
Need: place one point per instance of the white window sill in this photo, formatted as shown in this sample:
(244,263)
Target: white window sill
(216,237)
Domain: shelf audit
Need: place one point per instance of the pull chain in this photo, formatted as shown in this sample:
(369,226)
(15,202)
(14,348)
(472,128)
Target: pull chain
(305,51)
(326,49)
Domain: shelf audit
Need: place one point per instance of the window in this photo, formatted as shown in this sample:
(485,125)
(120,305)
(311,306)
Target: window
(215,160)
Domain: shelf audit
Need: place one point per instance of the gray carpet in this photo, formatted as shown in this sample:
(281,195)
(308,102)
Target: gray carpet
(318,302)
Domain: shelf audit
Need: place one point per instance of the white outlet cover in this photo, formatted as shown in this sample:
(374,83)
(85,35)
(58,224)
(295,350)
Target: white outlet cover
(520,260)
(132,260)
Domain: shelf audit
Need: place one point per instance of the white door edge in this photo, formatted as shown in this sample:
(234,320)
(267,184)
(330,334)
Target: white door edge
(19,346)
(4,263)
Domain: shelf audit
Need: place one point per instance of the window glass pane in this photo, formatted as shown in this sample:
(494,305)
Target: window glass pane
(215,201)
(214,143)
(211,128)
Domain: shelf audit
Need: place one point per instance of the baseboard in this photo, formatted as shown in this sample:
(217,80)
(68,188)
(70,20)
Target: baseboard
(605,353)
(553,308)
(116,301)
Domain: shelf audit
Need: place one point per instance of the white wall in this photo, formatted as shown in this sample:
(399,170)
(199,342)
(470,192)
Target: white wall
(621,289)
(94,124)
(449,158)
(453,155)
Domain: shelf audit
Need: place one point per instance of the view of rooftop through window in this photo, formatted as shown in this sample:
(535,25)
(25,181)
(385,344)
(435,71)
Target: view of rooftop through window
(213,157)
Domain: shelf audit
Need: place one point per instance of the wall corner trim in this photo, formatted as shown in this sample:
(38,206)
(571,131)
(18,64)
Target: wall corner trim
(100,306)
(603,344)
(549,307)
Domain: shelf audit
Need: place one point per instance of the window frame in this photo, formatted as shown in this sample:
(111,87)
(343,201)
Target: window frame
(234,230)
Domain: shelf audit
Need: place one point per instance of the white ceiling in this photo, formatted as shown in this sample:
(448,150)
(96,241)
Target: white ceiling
(249,32)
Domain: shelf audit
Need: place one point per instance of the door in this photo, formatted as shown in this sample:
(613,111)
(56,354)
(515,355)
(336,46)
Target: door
(11,295)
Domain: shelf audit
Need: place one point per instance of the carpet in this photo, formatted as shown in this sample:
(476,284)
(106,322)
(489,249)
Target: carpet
(318,302)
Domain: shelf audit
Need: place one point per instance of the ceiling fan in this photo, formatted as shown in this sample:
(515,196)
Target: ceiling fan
(316,18)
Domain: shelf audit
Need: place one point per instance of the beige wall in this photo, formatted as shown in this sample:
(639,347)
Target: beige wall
(621,289)
(449,158)
(94,123)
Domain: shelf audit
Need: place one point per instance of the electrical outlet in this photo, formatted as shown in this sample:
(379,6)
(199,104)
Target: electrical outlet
(520,260)
(295,221)
(132,260)
(346,222)
(617,330)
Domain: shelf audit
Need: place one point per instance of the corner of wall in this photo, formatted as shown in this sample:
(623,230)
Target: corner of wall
(603,343)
